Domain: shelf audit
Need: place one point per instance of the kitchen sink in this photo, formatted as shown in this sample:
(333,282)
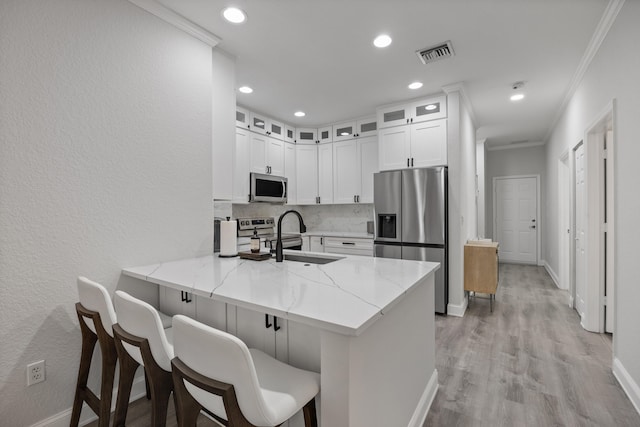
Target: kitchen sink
(310,259)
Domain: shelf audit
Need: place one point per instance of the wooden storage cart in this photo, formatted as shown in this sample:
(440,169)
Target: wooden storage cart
(481,268)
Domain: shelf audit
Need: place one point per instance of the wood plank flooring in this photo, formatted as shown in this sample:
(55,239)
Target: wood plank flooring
(529,363)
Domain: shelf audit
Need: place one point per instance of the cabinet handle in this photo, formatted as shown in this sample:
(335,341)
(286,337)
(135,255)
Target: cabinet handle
(358,198)
(411,119)
(407,162)
(184,296)
(321,239)
(407,120)
(349,243)
(266,321)
(412,162)
(275,324)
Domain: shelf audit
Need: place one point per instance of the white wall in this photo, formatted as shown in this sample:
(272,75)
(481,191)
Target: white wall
(512,162)
(613,74)
(481,151)
(105,162)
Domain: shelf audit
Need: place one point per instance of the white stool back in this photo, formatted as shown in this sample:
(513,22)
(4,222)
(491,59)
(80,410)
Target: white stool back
(94,297)
(143,320)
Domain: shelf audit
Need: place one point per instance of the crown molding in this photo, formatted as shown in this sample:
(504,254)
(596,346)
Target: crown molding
(460,88)
(511,146)
(178,21)
(606,22)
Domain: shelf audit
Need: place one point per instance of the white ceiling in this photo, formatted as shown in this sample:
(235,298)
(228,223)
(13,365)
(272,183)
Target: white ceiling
(317,56)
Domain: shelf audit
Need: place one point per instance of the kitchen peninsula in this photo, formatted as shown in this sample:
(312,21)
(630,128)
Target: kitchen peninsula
(374,318)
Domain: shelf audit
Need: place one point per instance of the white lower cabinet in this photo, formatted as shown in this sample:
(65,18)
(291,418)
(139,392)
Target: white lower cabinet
(348,246)
(172,302)
(212,313)
(316,244)
(258,331)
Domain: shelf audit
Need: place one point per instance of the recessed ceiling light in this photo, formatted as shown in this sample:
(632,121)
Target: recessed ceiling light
(415,85)
(431,107)
(245,89)
(299,114)
(382,40)
(517,97)
(234,15)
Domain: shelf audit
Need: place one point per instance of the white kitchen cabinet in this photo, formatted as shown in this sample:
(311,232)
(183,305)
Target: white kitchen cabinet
(241,167)
(325,174)
(354,163)
(290,172)
(289,134)
(242,117)
(316,244)
(325,134)
(306,136)
(367,126)
(266,154)
(172,301)
(304,346)
(258,123)
(415,112)
(343,131)
(306,174)
(416,145)
(348,246)
(355,129)
(275,129)
(258,330)
(211,312)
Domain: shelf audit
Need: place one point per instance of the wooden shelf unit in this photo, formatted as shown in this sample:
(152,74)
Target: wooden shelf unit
(481,268)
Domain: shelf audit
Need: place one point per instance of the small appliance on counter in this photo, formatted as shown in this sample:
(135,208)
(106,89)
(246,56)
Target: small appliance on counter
(264,227)
(228,238)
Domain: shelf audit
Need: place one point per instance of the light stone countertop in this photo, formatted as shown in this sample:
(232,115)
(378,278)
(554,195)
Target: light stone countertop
(345,296)
(347,234)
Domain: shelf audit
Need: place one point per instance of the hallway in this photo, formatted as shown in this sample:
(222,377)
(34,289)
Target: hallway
(529,363)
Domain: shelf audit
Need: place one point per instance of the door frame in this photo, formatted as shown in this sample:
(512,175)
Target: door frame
(538,216)
(565,224)
(594,316)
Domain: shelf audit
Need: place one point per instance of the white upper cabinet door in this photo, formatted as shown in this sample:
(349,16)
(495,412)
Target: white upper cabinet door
(275,129)
(275,156)
(393,116)
(306,136)
(258,153)
(368,157)
(429,143)
(289,134)
(241,167)
(325,134)
(366,127)
(343,131)
(429,109)
(325,173)
(258,123)
(290,172)
(394,147)
(242,117)
(346,172)
(307,174)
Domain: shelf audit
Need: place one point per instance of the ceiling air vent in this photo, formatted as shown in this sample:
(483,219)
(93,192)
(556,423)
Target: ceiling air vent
(435,53)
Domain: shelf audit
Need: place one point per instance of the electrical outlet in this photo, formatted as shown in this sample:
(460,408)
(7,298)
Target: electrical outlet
(35,373)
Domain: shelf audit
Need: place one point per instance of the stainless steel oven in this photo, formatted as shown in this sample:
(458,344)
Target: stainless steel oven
(267,188)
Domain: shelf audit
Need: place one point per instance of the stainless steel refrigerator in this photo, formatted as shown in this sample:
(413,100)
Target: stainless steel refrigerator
(410,215)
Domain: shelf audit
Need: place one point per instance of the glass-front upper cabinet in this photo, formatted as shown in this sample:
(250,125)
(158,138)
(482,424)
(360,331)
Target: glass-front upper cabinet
(429,109)
(258,123)
(289,134)
(366,127)
(242,117)
(344,130)
(325,134)
(275,129)
(393,116)
(306,136)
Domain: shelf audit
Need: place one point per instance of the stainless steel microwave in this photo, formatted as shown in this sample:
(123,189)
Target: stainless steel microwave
(267,188)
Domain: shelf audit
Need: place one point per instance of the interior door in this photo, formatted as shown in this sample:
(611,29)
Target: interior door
(516,219)
(580,234)
(609,246)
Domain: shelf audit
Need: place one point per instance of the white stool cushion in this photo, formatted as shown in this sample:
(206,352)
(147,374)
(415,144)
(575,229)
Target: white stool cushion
(93,296)
(269,392)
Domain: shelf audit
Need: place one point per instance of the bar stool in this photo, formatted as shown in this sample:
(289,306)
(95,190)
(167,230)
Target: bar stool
(215,371)
(96,316)
(141,340)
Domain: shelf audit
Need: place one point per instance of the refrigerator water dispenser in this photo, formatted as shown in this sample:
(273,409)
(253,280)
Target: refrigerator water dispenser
(387,226)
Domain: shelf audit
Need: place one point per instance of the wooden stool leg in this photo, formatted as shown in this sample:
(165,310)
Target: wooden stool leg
(187,408)
(161,388)
(128,367)
(309,411)
(109,359)
(146,385)
(89,340)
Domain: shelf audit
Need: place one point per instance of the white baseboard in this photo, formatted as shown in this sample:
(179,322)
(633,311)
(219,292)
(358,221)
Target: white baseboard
(424,404)
(63,419)
(570,301)
(553,274)
(629,386)
(458,310)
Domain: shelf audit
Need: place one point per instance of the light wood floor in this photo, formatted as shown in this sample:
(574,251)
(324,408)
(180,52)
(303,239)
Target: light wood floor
(529,363)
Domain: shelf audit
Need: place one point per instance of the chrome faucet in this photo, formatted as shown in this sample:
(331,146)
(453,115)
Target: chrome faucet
(303,229)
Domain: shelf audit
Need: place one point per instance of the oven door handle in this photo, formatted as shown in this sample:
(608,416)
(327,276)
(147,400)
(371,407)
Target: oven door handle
(284,188)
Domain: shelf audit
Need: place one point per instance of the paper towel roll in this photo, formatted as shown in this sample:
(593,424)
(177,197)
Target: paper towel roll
(228,238)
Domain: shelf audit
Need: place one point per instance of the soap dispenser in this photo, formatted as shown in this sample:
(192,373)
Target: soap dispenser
(255,242)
